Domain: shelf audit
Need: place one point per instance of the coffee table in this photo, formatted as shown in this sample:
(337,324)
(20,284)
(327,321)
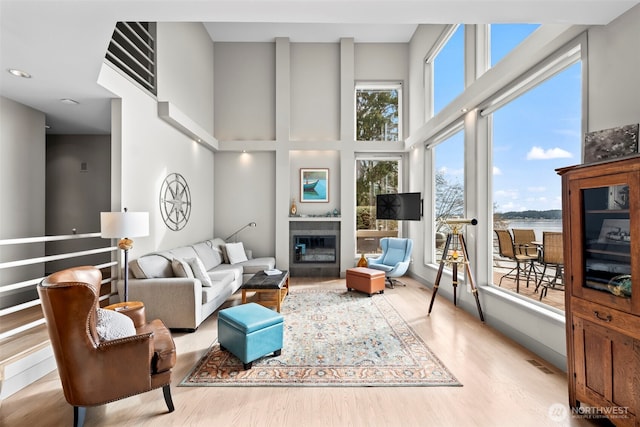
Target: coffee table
(270,290)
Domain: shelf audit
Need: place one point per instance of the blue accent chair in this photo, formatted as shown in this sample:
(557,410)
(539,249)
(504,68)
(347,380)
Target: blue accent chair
(395,258)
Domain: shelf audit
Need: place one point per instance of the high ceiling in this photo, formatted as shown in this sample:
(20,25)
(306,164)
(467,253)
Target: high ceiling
(62,43)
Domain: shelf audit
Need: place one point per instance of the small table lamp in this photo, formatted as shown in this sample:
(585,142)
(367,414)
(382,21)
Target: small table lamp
(123,225)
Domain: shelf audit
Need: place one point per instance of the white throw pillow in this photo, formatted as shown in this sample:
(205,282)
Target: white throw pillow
(199,271)
(181,268)
(235,252)
(111,325)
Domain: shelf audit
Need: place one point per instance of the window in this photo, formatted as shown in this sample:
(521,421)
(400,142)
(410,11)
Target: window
(373,177)
(448,70)
(535,133)
(449,184)
(379,112)
(505,37)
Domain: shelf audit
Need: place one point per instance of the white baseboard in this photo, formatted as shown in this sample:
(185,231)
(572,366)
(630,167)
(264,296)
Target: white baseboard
(26,371)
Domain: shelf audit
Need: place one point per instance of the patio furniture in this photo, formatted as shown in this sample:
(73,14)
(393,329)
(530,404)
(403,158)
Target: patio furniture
(552,256)
(524,262)
(523,241)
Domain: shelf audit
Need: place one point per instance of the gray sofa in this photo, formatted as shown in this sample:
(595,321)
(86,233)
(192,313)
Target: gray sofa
(183,302)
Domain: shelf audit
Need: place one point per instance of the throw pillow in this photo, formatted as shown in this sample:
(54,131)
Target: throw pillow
(199,271)
(235,252)
(181,268)
(111,325)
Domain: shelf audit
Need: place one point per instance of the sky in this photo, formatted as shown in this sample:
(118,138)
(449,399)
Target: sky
(532,135)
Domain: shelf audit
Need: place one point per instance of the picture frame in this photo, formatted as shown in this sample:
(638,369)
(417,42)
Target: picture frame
(608,144)
(314,185)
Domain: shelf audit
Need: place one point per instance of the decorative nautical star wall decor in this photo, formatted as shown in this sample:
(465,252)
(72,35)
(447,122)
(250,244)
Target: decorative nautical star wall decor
(175,201)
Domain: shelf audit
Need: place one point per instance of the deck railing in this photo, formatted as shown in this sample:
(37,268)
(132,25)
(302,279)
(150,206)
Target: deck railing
(25,318)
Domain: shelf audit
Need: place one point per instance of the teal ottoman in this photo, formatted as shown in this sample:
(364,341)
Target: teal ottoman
(250,331)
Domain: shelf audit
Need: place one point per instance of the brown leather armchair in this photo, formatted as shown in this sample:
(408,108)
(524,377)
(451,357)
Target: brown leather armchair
(95,372)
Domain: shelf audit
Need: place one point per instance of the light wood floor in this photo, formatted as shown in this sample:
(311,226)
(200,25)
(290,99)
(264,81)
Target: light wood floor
(501,386)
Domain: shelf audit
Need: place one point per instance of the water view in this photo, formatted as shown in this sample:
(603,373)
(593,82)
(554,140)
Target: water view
(537,225)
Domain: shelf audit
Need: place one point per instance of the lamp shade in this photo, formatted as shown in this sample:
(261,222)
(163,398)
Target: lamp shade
(124,224)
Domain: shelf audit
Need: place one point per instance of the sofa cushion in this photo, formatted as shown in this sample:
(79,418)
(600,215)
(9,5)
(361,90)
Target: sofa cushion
(199,272)
(235,252)
(254,265)
(210,255)
(220,244)
(181,268)
(151,266)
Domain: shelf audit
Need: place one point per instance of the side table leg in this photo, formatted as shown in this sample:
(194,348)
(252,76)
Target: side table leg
(244,296)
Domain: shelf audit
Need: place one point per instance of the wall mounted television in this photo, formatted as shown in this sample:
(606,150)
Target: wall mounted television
(399,206)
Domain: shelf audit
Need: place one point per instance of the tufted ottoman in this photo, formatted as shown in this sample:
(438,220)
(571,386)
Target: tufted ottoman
(365,280)
(250,331)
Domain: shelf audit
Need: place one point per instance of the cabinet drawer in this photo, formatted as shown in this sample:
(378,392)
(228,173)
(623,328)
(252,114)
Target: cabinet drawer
(625,323)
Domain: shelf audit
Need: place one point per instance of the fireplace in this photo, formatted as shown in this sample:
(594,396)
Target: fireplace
(314,248)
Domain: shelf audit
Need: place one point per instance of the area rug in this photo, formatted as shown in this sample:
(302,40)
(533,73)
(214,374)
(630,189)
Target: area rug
(332,338)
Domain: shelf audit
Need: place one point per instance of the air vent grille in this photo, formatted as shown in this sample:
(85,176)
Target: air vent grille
(133,51)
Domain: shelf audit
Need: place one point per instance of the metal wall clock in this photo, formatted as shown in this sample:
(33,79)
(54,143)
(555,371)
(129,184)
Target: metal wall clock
(175,201)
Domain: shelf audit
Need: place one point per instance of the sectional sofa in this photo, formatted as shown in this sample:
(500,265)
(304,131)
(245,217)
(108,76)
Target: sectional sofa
(185,285)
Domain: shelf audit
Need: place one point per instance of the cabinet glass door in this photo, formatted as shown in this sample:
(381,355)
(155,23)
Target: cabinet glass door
(607,240)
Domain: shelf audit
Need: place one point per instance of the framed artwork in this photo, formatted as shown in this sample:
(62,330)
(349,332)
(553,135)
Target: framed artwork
(314,185)
(608,144)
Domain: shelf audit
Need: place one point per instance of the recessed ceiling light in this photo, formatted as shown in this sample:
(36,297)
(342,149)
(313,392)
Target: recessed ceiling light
(69,101)
(19,73)
(464,110)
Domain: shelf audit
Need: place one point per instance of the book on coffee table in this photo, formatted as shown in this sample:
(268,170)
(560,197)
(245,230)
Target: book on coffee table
(272,272)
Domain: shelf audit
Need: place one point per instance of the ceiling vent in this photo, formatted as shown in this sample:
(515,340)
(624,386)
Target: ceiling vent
(132,50)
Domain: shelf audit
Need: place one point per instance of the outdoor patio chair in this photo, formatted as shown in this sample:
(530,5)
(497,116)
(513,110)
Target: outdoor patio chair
(552,256)
(524,262)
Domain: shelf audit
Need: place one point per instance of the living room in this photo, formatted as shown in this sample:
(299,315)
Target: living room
(263,110)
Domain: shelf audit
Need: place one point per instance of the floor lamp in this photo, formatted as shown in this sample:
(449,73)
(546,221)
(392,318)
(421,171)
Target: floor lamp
(123,225)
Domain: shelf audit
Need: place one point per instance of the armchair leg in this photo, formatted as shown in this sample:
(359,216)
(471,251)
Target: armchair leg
(79,413)
(166,390)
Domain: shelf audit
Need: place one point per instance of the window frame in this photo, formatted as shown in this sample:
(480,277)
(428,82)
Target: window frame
(378,85)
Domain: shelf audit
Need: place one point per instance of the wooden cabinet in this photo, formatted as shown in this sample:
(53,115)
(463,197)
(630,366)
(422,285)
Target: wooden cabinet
(601,223)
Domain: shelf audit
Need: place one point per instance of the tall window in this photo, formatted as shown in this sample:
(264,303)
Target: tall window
(449,185)
(533,135)
(378,112)
(448,71)
(373,177)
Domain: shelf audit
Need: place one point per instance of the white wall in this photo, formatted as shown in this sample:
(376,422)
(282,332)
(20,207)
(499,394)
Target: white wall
(244,188)
(244,85)
(614,72)
(22,194)
(185,70)
(315,92)
(146,149)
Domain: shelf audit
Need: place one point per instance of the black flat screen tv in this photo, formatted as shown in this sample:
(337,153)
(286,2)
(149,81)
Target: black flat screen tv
(399,206)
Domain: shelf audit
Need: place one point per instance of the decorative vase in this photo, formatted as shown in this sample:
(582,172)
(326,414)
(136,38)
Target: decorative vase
(294,209)
(362,262)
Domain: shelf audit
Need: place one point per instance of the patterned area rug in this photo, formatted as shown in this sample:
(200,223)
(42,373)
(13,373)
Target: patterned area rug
(333,338)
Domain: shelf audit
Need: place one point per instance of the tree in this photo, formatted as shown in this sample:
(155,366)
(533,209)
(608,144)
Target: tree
(377,115)
(373,177)
(449,199)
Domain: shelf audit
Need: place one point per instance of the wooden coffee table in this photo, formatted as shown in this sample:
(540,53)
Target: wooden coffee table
(269,290)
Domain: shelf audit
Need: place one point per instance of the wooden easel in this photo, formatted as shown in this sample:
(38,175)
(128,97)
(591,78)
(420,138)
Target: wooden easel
(459,255)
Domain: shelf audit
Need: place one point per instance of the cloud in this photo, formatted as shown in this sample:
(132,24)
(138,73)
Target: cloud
(497,171)
(539,189)
(538,153)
